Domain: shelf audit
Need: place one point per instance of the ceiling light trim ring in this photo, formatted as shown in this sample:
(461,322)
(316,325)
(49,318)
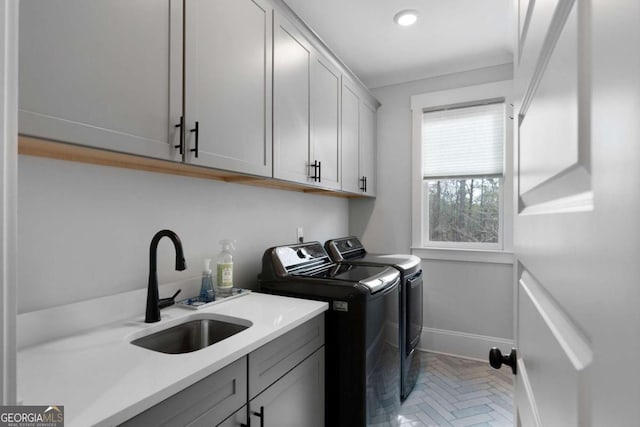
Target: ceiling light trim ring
(406,17)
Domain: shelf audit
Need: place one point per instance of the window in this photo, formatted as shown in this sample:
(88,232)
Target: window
(462,173)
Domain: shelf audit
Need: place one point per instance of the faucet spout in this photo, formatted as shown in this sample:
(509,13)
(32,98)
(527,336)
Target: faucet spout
(153,299)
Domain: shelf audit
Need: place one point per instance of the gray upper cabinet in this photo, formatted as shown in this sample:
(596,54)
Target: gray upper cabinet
(291,118)
(306,112)
(102,73)
(228,84)
(351,179)
(325,123)
(367,149)
(236,85)
(358,140)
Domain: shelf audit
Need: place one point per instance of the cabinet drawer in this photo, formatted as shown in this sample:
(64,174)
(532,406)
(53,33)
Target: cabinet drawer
(271,361)
(206,403)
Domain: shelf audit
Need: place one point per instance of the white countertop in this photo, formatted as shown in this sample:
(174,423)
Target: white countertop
(102,379)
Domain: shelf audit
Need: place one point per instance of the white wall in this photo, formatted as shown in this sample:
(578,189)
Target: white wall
(468,307)
(466,304)
(85,230)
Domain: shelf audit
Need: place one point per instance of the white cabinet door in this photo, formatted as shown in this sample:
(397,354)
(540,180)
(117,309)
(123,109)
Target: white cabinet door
(102,73)
(350,131)
(325,122)
(291,85)
(296,399)
(228,84)
(367,157)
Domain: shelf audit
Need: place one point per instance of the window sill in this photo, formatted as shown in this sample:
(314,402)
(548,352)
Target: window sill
(464,255)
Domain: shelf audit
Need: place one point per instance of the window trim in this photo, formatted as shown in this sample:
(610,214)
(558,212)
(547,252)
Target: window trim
(461,96)
(464,255)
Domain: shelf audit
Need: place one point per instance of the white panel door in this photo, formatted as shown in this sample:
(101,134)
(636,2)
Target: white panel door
(577,247)
(325,121)
(350,131)
(102,73)
(228,84)
(291,86)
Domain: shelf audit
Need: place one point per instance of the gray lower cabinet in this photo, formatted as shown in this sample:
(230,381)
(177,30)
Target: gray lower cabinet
(102,73)
(284,377)
(206,403)
(296,399)
(239,419)
(271,361)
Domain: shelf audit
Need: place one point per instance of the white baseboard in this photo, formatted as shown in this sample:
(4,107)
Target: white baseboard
(461,344)
(453,343)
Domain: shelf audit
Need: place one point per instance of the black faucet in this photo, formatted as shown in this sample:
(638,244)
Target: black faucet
(153,300)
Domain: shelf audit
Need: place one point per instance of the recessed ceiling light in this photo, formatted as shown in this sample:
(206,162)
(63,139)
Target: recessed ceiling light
(406,17)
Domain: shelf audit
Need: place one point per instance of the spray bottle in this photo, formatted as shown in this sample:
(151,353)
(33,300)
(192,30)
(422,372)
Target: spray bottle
(225,268)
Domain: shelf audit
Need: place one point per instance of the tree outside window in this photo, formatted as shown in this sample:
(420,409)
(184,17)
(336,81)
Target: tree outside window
(464,210)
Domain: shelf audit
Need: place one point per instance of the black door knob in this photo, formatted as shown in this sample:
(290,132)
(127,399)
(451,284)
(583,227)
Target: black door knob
(496,359)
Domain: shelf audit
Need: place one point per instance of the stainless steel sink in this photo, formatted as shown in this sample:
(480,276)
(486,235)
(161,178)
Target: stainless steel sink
(189,336)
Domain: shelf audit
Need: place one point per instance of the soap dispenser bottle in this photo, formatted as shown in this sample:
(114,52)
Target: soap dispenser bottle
(207,294)
(225,268)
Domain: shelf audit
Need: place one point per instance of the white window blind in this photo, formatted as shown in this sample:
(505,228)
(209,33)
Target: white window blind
(463,142)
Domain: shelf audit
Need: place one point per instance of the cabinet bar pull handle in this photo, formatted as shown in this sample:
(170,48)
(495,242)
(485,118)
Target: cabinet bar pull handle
(365,184)
(260,415)
(197,131)
(180,125)
(319,171)
(316,165)
(364,180)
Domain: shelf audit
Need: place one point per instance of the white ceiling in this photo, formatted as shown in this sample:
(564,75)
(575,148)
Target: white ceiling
(450,36)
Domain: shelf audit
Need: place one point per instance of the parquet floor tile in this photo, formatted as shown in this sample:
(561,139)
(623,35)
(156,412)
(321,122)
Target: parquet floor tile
(455,392)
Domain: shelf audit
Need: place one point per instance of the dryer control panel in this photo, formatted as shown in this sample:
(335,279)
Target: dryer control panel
(345,248)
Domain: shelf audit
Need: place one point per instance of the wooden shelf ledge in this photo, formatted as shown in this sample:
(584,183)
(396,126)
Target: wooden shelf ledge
(30,146)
